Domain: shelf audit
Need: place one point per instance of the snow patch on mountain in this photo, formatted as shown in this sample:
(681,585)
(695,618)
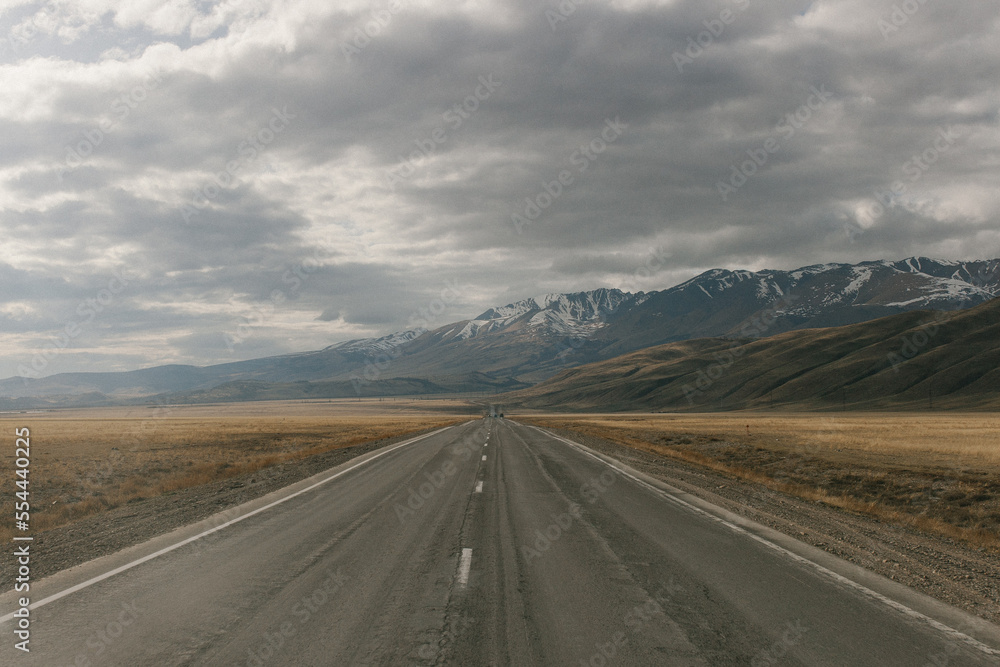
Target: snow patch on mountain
(947,291)
(862,274)
(563,314)
(476,327)
(768,289)
(377,345)
(814,269)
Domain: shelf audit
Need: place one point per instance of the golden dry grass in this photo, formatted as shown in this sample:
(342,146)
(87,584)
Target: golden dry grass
(87,462)
(938,472)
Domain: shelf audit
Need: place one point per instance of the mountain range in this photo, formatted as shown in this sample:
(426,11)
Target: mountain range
(915,360)
(521,344)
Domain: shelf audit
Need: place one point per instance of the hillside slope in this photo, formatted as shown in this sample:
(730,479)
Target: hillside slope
(912,360)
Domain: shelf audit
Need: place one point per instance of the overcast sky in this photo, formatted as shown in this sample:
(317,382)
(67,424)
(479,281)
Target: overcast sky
(199,182)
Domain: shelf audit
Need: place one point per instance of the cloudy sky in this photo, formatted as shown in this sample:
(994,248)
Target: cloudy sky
(199,182)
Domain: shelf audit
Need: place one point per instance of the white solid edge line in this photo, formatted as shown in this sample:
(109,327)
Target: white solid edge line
(464,566)
(156,554)
(898,606)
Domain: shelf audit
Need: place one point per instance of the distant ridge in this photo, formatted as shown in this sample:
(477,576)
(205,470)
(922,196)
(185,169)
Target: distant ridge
(530,340)
(916,360)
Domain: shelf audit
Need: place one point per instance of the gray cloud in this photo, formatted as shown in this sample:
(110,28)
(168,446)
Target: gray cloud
(378,191)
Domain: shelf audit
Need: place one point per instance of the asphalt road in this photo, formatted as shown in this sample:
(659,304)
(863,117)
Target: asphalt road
(528,550)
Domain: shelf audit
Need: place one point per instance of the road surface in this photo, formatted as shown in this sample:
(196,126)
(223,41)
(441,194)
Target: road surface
(488,543)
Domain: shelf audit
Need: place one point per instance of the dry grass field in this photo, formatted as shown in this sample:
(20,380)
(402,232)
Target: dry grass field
(87,461)
(938,472)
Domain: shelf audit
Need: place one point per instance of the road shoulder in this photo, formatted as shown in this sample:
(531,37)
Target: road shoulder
(945,570)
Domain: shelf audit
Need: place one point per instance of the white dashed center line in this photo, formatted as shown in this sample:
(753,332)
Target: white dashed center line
(464,565)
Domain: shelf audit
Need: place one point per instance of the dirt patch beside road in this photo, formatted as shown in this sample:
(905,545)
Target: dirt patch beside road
(145,515)
(86,466)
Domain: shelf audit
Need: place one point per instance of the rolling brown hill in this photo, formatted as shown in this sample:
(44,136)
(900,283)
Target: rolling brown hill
(913,360)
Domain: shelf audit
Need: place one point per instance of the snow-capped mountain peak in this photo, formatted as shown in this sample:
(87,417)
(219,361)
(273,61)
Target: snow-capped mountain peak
(820,293)
(565,314)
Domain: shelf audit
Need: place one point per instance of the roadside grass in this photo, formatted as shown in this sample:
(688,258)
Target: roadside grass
(937,473)
(81,467)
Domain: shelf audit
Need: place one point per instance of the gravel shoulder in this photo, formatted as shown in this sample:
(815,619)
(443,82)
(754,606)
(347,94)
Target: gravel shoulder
(952,572)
